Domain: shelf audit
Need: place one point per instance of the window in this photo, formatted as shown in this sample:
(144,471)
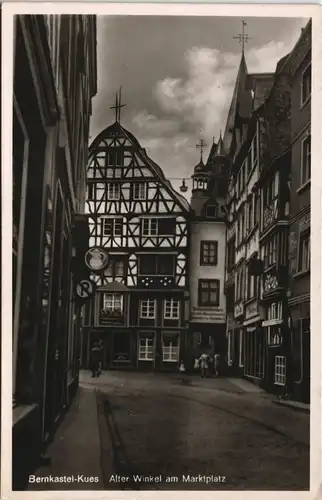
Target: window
(270,252)
(280,370)
(113,301)
(251,286)
(306,84)
(250,212)
(116,267)
(156,265)
(209,292)
(171,309)
(211,211)
(147,309)
(274,337)
(139,191)
(167,226)
(113,191)
(208,253)
(241,348)
(170,348)
(146,349)
(112,227)
(91,191)
(149,227)
(114,157)
(304,251)
(230,255)
(306,160)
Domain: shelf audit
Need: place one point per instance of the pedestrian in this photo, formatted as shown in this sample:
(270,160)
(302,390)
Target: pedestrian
(204,364)
(216,363)
(182,367)
(100,357)
(95,359)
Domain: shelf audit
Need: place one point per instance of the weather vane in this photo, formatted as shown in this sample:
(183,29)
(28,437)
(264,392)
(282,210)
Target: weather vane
(202,146)
(243,37)
(118,106)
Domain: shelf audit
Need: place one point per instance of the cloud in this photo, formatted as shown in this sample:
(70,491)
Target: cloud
(198,103)
(150,125)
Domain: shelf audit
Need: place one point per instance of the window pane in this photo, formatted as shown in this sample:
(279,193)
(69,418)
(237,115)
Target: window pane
(165,264)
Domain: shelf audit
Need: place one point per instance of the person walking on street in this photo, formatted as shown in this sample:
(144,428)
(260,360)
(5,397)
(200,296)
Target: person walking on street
(204,364)
(216,364)
(95,359)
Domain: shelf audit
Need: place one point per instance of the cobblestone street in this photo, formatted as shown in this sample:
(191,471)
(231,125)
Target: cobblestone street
(158,426)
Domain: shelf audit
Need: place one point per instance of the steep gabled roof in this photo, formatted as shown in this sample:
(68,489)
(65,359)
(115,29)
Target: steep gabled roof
(118,132)
(241,103)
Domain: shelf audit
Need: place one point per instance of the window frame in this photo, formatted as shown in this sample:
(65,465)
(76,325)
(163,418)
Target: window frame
(205,246)
(174,304)
(280,375)
(147,302)
(305,140)
(115,221)
(308,97)
(170,349)
(208,303)
(150,234)
(112,307)
(146,348)
(112,193)
(303,236)
(139,185)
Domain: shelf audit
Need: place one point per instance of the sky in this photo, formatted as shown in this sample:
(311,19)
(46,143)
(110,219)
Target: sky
(177,76)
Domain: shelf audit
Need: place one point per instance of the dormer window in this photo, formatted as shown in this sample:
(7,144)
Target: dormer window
(211,211)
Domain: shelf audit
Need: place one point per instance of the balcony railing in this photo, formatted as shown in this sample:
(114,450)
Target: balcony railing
(270,213)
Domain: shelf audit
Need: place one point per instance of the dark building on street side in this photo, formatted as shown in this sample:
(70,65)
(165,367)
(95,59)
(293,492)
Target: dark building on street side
(299,64)
(139,225)
(54,82)
(246,344)
(274,193)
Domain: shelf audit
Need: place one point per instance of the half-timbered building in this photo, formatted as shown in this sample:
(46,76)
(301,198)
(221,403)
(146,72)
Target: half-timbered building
(140,221)
(207,255)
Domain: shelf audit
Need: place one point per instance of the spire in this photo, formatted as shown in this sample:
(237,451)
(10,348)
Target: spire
(220,147)
(243,37)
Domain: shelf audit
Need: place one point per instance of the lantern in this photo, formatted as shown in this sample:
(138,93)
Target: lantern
(183,187)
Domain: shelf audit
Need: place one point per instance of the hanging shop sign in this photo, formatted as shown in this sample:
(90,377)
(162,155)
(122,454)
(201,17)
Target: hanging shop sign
(96,259)
(84,289)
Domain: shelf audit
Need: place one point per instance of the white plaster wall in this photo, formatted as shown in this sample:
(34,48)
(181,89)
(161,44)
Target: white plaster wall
(207,231)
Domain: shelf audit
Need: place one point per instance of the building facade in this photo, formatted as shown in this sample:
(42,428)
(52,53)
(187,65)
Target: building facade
(274,191)
(244,333)
(54,81)
(299,239)
(207,255)
(268,219)
(140,224)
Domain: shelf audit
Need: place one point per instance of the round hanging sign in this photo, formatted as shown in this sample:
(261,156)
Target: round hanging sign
(96,259)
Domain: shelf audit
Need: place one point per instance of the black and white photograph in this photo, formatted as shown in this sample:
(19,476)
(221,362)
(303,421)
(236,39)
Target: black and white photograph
(160,186)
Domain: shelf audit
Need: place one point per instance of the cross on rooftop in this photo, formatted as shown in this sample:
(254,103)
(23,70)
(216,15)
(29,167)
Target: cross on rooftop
(242,37)
(118,106)
(202,146)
